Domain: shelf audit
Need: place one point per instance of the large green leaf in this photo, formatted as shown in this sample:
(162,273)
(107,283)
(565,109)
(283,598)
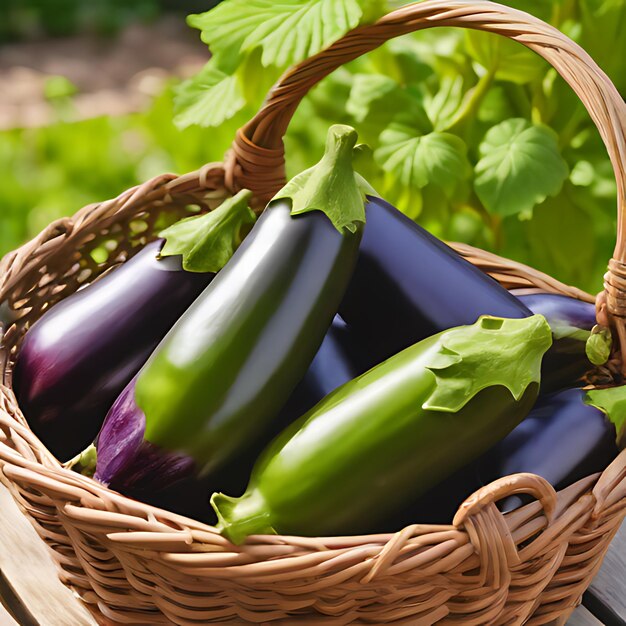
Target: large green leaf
(287,30)
(208,99)
(520,165)
(417,160)
(562,239)
(509,60)
(376,100)
(445,102)
(370,90)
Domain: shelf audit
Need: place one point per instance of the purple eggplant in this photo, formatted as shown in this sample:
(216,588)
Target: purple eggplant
(128,463)
(409,285)
(122,460)
(559,309)
(562,439)
(80,355)
(571,320)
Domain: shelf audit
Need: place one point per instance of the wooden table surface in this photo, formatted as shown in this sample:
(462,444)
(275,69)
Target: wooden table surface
(32,595)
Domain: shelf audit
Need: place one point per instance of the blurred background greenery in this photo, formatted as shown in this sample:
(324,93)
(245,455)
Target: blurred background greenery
(26,19)
(64,158)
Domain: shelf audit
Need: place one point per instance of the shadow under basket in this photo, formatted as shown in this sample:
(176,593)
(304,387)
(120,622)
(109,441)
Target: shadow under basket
(136,564)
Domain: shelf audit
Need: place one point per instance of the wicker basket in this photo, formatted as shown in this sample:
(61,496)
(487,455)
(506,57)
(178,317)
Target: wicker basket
(135,564)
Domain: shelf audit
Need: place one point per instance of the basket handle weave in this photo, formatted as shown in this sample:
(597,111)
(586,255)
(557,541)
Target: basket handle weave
(256,160)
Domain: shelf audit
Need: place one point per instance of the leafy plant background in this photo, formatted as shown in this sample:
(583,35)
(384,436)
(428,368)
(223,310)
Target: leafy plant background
(471,135)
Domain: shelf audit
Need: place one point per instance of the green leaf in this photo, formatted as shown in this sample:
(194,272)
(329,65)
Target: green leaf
(561,236)
(602,36)
(288,31)
(612,402)
(406,63)
(511,60)
(582,174)
(520,166)
(207,242)
(542,9)
(208,99)
(254,82)
(369,90)
(331,186)
(598,346)
(493,351)
(444,104)
(417,160)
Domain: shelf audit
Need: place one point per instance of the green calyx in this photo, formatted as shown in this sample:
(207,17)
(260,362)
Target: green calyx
(241,517)
(206,242)
(85,462)
(598,346)
(331,186)
(612,402)
(493,351)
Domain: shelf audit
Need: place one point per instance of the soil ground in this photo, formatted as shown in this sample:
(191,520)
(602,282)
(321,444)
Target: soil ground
(112,76)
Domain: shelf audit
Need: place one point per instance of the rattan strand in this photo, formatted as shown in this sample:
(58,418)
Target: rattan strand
(135,564)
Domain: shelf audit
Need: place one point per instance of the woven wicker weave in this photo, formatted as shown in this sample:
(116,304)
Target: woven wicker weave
(135,564)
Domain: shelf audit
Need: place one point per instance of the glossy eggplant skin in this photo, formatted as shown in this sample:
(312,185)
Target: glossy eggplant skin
(558,308)
(233,359)
(128,463)
(356,456)
(80,355)
(343,355)
(566,362)
(562,439)
(409,285)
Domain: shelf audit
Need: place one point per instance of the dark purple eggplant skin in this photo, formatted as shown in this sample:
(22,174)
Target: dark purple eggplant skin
(562,439)
(80,355)
(343,355)
(409,285)
(566,362)
(559,308)
(136,468)
(128,463)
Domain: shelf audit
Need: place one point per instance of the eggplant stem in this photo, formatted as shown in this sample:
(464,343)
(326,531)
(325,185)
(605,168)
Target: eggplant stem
(85,462)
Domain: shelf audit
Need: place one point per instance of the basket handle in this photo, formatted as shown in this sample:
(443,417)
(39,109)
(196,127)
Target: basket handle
(256,160)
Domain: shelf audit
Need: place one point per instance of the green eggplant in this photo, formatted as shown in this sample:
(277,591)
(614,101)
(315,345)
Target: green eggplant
(228,366)
(382,439)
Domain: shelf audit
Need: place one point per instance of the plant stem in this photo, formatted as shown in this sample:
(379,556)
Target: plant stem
(471,103)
